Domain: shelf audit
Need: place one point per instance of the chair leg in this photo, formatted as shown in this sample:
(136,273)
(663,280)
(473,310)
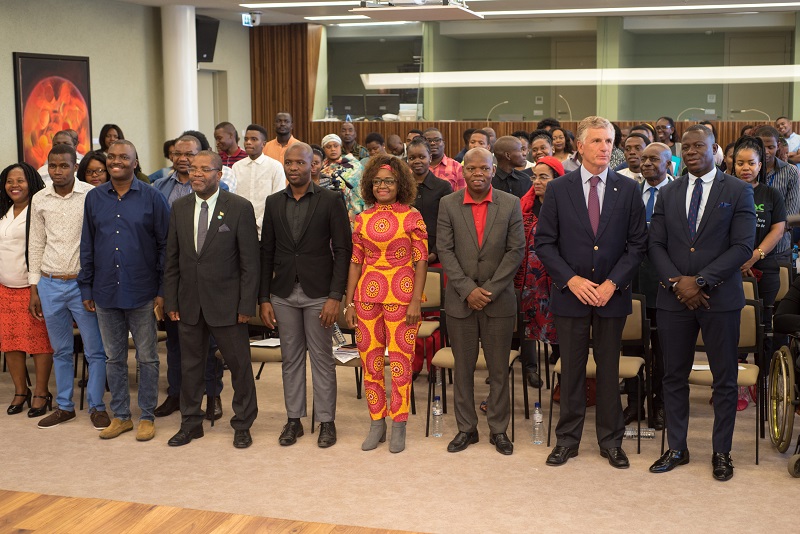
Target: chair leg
(524,384)
(513,410)
(444,392)
(312,416)
(258,375)
(663,437)
(550,415)
(83,380)
(639,415)
(27,374)
(431,385)
(758,414)
(547,366)
(450,376)
(413,400)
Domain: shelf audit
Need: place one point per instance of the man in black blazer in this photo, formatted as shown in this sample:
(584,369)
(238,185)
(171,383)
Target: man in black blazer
(305,255)
(210,286)
(591,238)
(702,231)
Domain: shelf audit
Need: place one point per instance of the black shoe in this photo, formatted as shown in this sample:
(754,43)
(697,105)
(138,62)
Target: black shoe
(630,414)
(242,439)
(44,408)
(291,431)
(217,409)
(670,460)
(534,380)
(462,441)
(658,419)
(327,435)
(502,443)
(723,466)
(184,437)
(14,409)
(561,454)
(170,405)
(616,457)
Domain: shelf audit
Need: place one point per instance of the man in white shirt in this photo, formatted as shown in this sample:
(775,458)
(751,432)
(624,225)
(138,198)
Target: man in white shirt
(64,137)
(258,176)
(784,126)
(635,144)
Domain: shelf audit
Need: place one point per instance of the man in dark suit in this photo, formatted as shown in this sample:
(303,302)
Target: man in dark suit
(591,238)
(702,231)
(210,285)
(305,255)
(481,242)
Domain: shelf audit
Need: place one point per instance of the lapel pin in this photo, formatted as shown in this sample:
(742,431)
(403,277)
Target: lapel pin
(615,189)
(220,215)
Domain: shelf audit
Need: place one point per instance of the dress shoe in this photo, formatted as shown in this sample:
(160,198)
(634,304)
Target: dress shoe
(462,441)
(171,404)
(723,466)
(377,434)
(217,412)
(534,380)
(658,419)
(242,439)
(56,418)
(502,443)
(616,457)
(44,408)
(670,460)
(327,435)
(291,431)
(14,409)
(184,437)
(561,454)
(630,414)
(397,443)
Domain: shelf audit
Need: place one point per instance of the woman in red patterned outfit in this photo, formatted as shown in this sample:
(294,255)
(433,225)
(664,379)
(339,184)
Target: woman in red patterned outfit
(384,291)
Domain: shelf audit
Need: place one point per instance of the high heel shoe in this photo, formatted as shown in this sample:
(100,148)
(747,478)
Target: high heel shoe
(14,409)
(44,408)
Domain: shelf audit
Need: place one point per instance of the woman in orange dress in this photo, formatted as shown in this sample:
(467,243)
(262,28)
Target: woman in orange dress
(384,291)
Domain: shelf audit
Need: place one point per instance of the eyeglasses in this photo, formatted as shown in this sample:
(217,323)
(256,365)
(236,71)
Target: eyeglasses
(96,172)
(179,155)
(434,140)
(203,170)
(388,182)
(665,127)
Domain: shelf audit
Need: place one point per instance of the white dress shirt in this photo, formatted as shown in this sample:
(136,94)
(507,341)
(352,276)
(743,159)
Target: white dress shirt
(198,206)
(708,181)
(630,174)
(647,187)
(256,179)
(601,185)
(14,273)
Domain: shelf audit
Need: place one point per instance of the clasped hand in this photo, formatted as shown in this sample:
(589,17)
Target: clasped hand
(689,293)
(591,293)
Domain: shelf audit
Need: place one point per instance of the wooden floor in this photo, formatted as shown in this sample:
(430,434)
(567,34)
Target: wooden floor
(36,513)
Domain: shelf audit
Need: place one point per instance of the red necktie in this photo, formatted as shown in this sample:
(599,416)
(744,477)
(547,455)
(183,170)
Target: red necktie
(594,203)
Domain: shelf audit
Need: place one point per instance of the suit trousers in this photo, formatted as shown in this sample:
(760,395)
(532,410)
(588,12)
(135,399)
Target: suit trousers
(574,334)
(214,369)
(494,334)
(300,330)
(678,334)
(234,344)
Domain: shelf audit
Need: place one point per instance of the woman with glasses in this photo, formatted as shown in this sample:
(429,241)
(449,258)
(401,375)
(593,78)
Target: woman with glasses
(92,169)
(384,292)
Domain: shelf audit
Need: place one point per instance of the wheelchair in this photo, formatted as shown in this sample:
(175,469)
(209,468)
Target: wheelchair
(784,397)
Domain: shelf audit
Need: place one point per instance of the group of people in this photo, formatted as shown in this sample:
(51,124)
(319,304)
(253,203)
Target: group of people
(298,234)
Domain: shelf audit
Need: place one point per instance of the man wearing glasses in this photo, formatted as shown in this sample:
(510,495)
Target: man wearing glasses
(442,166)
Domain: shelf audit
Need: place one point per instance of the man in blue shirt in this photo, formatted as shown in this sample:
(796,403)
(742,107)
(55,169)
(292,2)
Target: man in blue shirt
(123,248)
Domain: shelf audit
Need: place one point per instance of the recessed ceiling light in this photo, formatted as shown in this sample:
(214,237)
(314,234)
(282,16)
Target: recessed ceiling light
(276,5)
(337,17)
(638,9)
(382,23)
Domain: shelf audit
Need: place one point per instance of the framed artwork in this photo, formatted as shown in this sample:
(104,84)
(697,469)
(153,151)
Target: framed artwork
(52,94)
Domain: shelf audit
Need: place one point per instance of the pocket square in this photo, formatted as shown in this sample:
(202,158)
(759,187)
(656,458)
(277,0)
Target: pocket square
(724,205)
(224,228)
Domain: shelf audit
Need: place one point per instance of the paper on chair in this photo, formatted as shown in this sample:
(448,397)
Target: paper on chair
(706,367)
(269,342)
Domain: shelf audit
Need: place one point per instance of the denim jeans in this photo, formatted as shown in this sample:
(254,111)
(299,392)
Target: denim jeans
(61,304)
(115,324)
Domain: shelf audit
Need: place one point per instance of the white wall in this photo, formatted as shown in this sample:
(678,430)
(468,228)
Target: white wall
(123,43)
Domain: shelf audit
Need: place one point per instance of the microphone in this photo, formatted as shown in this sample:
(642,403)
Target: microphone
(488,115)
(568,106)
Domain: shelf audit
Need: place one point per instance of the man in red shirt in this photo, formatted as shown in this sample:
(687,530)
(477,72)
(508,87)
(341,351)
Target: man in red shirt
(442,166)
(227,140)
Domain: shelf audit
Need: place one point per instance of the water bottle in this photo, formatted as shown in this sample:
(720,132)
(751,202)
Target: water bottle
(438,377)
(338,336)
(329,111)
(538,425)
(795,255)
(348,119)
(438,421)
(647,433)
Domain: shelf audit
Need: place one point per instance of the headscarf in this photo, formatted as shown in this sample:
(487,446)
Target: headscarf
(331,137)
(527,200)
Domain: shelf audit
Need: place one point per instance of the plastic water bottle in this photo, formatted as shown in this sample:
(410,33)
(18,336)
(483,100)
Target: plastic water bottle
(538,425)
(438,377)
(795,255)
(438,420)
(348,119)
(647,433)
(329,111)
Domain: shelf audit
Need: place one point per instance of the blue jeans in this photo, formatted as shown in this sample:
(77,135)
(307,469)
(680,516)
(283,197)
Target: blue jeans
(61,304)
(115,323)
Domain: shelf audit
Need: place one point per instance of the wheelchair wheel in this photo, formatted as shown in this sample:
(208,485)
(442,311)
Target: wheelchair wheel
(794,466)
(781,394)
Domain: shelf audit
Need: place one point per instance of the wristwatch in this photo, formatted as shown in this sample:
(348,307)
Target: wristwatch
(700,281)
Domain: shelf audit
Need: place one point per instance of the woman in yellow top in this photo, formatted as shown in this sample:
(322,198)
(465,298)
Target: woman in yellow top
(384,291)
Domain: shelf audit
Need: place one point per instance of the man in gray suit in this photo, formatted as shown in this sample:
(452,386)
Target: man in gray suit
(481,242)
(210,285)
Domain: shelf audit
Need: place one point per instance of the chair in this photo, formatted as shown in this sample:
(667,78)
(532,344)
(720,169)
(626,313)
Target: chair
(750,287)
(434,289)
(750,340)
(636,333)
(786,281)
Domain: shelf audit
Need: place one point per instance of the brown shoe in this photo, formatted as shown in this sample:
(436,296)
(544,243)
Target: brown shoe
(146,430)
(99,418)
(56,418)
(117,427)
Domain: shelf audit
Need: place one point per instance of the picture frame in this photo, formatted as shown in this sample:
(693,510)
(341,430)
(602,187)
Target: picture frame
(52,93)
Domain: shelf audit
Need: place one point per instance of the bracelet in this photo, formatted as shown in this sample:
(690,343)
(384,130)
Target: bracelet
(351,305)
(761,253)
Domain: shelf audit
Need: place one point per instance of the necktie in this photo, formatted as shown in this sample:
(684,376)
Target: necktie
(202,226)
(651,203)
(594,203)
(694,206)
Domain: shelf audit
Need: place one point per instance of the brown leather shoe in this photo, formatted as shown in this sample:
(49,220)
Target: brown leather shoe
(56,418)
(100,419)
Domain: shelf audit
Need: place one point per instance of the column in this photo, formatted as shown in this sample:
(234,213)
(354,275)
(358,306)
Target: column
(179,56)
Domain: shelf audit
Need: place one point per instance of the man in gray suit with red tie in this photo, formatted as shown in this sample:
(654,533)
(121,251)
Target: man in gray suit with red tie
(591,238)
(210,286)
(702,231)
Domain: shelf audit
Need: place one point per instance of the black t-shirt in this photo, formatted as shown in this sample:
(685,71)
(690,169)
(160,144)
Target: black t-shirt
(770,210)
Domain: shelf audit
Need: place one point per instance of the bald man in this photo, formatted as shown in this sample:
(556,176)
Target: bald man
(510,155)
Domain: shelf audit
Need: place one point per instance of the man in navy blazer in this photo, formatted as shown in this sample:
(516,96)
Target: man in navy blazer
(699,238)
(591,238)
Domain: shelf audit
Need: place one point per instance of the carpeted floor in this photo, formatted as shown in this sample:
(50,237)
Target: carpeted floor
(422,489)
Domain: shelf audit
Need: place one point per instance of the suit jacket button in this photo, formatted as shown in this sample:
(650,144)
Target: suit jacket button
(596,247)
(691,249)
